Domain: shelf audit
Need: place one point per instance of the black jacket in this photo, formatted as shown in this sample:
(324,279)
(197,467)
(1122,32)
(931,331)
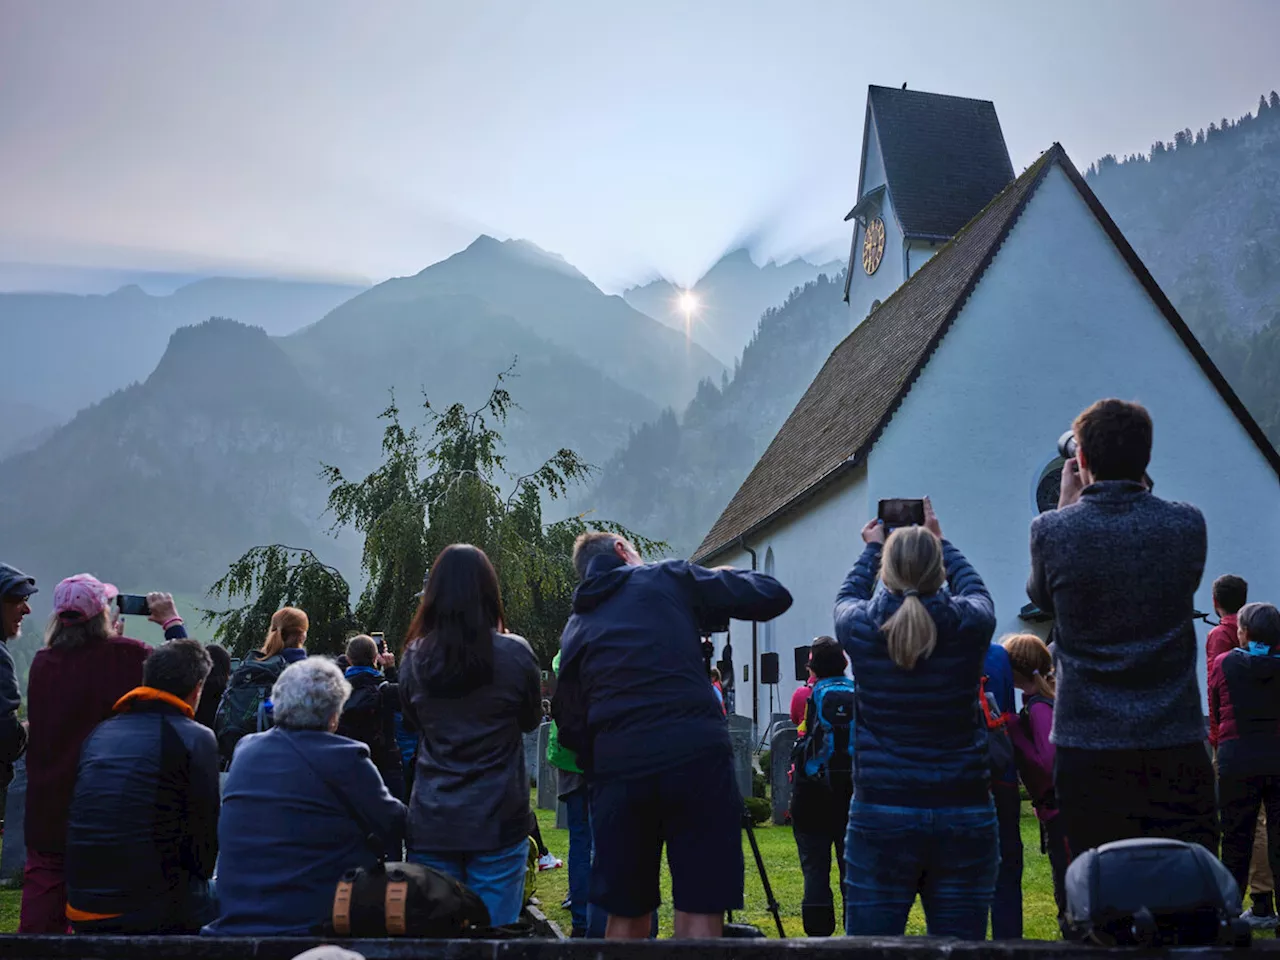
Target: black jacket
(1252,747)
(13,735)
(633,695)
(375,727)
(144,814)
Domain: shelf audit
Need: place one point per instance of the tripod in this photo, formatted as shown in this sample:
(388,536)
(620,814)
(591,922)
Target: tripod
(764,876)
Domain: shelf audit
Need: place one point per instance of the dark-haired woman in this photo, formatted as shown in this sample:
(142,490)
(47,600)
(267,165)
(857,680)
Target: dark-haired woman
(471,691)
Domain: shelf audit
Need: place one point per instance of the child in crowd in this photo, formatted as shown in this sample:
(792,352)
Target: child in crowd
(1033,675)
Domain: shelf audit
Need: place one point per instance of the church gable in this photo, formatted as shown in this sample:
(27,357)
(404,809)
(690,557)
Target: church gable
(868,375)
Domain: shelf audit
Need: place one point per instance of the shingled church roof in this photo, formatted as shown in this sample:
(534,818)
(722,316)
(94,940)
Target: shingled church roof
(853,397)
(944,157)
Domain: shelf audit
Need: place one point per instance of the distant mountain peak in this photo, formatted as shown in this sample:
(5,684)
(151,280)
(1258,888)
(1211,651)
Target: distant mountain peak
(491,251)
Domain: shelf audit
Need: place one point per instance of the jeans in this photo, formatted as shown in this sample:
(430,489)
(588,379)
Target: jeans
(44,894)
(1107,795)
(1239,798)
(165,916)
(497,876)
(817,910)
(948,855)
(1006,908)
(587,920)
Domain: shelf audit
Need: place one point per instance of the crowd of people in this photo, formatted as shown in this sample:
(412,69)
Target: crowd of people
(169,793)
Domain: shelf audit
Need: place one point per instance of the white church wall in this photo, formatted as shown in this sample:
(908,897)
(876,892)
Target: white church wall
(811,555)
(920,252)
(1057,322)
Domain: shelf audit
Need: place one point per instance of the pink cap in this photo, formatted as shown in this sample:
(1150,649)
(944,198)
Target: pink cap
(82,597)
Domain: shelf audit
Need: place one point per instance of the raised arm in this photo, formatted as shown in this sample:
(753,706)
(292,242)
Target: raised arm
(726,594)
(967,589)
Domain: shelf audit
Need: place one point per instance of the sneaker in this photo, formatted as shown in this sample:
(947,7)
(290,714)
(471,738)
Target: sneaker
(568,904)
(1259,923)
(549,861)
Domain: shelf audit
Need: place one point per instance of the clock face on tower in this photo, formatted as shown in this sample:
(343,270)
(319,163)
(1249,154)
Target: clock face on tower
(873,246)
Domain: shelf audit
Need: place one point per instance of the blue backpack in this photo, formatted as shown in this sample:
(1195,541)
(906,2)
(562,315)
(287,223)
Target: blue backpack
(826,750)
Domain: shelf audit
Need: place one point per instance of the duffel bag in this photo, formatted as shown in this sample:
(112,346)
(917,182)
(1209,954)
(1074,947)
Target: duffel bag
(405,900)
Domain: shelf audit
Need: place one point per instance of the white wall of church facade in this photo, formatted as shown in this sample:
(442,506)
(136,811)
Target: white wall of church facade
(1057,322)
(864,290)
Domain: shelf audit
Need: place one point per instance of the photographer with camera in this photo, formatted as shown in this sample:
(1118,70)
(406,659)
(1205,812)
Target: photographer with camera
(922,818)
(635,704)
(1118,567)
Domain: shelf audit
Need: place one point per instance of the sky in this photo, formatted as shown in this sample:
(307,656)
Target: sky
(641,139)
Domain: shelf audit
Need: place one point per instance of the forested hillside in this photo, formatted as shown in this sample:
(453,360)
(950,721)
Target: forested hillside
(1203,211)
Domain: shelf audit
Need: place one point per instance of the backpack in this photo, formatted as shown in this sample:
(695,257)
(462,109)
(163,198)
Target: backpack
(826,749)
(1049,800)
(245,702)
(405,900)
(1153,893)
(999,746)
(362,719)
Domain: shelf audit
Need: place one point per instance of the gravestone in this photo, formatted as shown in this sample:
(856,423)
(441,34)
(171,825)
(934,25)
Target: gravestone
(531,756)
(784,738)
(547,779)
(562,815)
(13,854)
(740,738)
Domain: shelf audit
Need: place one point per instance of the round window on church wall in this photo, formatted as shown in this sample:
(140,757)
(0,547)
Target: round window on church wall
(1048,488)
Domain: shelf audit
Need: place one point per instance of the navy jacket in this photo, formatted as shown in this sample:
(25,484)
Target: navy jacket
(143,821)
(999,674)
(920,739)
(296,812)
(633,696)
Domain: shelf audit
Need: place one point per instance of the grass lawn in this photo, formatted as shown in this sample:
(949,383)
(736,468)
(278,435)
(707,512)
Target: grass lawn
(779,851)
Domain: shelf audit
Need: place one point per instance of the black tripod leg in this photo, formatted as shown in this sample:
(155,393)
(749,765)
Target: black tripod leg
(764,878)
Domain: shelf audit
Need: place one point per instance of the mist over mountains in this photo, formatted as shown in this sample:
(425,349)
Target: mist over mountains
(731,296)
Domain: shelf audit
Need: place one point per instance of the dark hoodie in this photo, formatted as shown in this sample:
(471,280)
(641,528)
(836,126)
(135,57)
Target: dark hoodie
(1247,686)
(631,661)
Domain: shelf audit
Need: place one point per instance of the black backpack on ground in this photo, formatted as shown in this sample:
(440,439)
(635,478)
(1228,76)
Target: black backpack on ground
(1153,893)
(363,719)
(249,687)
(405,900)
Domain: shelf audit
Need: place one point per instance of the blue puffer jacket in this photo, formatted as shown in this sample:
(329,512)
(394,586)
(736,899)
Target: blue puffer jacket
(920,741)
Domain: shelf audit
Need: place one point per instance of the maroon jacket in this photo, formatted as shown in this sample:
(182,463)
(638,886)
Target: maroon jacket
(1222,639)
(69,692)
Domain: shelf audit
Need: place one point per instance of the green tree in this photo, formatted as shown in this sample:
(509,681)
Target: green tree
(451,484)
(275,576)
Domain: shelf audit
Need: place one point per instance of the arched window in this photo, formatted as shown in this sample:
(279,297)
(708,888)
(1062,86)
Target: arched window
(875,305)
(770,628)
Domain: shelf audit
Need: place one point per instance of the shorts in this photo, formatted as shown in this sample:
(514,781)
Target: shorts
(696,811)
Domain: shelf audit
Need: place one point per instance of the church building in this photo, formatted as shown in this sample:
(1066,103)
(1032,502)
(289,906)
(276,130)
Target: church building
(986,311)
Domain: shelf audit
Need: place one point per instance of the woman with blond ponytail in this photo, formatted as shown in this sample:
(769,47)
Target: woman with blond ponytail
(922,818)
(1033,675)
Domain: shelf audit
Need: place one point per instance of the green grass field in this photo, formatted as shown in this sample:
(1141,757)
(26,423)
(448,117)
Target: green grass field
(781,863)
(779,852)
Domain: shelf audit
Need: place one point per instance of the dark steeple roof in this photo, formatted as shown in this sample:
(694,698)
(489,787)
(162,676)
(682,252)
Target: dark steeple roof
(944,157)
(846,408)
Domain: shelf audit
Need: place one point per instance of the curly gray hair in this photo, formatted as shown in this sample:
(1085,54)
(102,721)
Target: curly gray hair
(309,694)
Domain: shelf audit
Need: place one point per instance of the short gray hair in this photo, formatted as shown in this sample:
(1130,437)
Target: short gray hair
(1262,622)
(309,694)
(588,546)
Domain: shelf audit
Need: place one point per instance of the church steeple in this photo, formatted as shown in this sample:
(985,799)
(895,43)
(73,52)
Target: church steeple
(930,163)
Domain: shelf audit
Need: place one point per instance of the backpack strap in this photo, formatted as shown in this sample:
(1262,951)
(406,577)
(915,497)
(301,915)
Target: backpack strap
(342,908)
(396,904)
(370,837)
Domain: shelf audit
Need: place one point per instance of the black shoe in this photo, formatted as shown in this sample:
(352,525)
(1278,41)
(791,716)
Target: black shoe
(818,921)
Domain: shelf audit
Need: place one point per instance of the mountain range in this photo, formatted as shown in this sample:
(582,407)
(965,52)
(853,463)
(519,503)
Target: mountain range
(166,481)
(75,350)
(729,299)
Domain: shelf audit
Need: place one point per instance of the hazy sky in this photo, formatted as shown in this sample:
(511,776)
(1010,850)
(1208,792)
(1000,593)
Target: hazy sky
(635,138)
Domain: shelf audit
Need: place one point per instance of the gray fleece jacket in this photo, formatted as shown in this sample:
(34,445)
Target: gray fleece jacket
(1119,570)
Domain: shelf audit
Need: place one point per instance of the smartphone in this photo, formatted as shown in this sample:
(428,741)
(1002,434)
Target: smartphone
(381,641)
(902,513)
(132,605)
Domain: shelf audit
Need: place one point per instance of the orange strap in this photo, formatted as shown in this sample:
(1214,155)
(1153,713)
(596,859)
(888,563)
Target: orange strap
(396,907)
(342,909)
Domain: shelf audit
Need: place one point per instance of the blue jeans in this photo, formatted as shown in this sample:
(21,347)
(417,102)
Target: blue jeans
(949,855)
(578,813)
(497,876)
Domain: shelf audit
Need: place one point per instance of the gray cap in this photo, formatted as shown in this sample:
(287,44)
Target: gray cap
(15,583)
